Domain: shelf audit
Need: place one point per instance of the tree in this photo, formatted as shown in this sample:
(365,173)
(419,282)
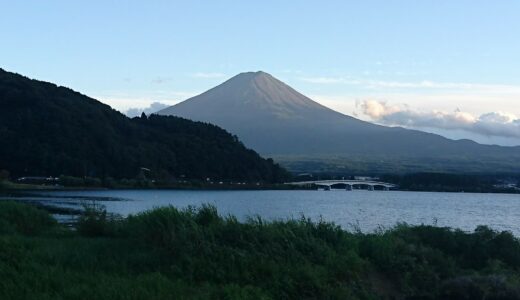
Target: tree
(4,175)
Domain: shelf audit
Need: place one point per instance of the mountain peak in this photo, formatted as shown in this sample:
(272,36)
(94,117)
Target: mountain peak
(273,118)
(252,76)
(258,94)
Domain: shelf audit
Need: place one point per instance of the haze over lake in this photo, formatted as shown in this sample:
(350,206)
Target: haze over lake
(368,210)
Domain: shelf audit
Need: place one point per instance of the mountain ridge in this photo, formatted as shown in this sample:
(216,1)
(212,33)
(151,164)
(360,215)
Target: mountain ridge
(276,120)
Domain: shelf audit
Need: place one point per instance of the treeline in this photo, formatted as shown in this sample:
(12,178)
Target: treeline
(446,182)
(433,181)
(146,183)
(46,130)
(196,254)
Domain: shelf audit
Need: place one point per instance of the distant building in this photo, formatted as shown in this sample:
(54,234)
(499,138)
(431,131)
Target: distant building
(304,176)
(507,186)
(38,180)
(366,178)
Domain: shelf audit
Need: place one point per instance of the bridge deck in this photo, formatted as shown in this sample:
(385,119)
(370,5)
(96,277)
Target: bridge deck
(346,182)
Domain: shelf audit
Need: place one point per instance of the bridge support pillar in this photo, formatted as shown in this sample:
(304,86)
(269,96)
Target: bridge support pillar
(348,187)
(370,187)
(386,188)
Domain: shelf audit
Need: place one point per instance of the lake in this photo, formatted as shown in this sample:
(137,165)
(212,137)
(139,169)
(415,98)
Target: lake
(366,210)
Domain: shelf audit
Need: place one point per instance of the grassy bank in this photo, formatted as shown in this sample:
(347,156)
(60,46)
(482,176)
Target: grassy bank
(196,254)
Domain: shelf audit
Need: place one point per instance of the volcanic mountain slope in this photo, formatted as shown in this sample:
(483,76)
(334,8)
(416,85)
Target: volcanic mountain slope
(47,130)
(276,120)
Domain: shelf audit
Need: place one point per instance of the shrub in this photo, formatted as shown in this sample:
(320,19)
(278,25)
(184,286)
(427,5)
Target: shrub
(95,221)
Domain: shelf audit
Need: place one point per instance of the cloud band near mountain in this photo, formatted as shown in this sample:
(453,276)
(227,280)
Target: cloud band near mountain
(153,108)
(497,124)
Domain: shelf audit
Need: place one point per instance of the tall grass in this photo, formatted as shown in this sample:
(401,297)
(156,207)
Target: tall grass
(195,253)
(23,219)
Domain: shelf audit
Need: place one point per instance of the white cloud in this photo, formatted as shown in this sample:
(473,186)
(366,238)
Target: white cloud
(208,75)
(496,124)
(124,101)
(153,108)
(498,117)
(331,80)
(424,84)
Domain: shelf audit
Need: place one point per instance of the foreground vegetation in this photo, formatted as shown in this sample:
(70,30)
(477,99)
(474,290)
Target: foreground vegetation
(196,254)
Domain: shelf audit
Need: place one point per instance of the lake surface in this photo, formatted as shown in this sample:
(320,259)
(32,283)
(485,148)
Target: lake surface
(367,210)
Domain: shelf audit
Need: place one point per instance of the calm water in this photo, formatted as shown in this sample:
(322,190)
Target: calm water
(367,210)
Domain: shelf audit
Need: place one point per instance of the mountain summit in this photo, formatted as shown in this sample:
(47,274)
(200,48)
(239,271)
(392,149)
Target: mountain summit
(274,119)
(248,95)
(265,113)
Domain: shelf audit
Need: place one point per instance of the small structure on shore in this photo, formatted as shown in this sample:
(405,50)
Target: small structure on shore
(38,180)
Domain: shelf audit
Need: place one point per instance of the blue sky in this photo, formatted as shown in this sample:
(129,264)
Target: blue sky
(451,67)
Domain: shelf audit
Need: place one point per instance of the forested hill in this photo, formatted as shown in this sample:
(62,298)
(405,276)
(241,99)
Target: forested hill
(49,130)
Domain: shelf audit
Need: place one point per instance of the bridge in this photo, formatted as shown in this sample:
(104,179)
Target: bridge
(349,184)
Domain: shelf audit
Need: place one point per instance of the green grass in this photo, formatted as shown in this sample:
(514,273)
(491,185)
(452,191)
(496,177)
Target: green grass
(194,253)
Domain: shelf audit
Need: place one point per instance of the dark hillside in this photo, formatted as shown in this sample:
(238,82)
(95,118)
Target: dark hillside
(47,130)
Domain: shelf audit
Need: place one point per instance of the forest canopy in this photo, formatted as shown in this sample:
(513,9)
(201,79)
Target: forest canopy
(49,130)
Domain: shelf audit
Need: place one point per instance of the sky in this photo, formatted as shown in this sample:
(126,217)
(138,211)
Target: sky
(448,67)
